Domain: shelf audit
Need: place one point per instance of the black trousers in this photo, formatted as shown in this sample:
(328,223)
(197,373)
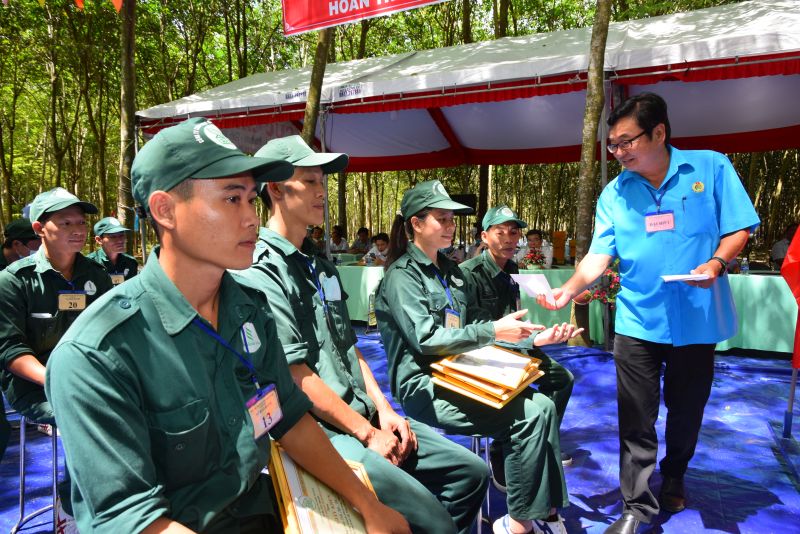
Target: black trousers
(688,374)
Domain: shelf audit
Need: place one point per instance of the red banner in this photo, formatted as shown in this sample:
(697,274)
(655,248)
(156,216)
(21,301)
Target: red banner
(302,16)
(790,270)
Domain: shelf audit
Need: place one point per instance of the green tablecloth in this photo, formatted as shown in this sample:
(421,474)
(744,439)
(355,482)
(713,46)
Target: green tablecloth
(359,282)
(766,309)
(767,313)
(346,257)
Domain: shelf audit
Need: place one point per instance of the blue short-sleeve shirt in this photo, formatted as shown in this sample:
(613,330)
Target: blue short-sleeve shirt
(708,201)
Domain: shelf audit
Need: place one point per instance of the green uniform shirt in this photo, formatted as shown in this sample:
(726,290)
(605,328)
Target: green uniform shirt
(30,321)
(152,408)
(326,343)
(126,265)
(410,307)
(490,287)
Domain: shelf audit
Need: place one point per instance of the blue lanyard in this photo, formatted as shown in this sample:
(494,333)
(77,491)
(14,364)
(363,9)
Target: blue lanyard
(660,198)
(446,289)
(317,284)
(225,344)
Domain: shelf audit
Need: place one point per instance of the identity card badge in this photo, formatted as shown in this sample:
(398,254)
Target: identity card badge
(452,319)
(117,279)
(658,222)
(71,300)
(265,410)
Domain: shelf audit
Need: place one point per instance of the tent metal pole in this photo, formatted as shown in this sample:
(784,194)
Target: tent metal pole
(787,417)
(326,206)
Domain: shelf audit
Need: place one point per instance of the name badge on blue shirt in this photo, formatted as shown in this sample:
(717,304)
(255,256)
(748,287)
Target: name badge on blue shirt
(660,221)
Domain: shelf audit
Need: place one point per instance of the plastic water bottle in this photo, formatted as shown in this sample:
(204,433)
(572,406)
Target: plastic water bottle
(745,267)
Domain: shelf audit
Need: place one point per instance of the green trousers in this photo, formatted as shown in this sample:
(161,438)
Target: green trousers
(527,429)
(35,408)
(556,383)
(438,489)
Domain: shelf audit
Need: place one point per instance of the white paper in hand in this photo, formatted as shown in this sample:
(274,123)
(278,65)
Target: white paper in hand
(535,285)
(684,277)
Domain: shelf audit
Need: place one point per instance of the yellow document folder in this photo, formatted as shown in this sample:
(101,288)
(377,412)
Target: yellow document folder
(307,506)
(491,375)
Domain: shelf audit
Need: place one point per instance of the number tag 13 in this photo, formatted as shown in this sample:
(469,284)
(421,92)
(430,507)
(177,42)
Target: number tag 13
(265,410)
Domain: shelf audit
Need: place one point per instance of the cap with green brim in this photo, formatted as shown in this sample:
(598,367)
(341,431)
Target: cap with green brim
(19,229)
(500,215)
(55,200)
(109,225)
(196,149)
(430,194)
(294,150)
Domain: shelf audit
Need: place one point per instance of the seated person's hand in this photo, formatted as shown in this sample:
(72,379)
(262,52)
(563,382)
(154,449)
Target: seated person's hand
(558,333)
(511,329)
(380,519)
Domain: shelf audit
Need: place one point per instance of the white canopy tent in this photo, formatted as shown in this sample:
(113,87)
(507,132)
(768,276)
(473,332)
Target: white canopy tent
(730,74)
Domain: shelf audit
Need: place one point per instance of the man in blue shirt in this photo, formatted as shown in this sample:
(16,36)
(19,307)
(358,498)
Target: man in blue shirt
(669,212)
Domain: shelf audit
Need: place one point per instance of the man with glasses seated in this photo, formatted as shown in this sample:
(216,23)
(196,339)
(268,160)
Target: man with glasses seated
(669,212)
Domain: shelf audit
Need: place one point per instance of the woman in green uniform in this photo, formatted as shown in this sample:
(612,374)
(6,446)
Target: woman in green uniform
(424,313)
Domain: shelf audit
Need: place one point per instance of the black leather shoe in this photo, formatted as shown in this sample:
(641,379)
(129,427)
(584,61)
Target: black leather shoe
(672,496)
(627,524)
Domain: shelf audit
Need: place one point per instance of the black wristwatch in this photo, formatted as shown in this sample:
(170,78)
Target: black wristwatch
(723,263)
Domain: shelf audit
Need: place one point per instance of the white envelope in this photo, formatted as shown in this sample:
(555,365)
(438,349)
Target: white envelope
(535,285)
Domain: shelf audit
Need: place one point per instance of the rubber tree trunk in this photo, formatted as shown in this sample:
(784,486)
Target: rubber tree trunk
(315,86)
(587,175)
(127,125)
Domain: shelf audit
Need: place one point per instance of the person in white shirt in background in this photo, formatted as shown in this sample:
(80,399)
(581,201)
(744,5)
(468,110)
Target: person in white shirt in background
(377,254)
(338,240)
(780,248)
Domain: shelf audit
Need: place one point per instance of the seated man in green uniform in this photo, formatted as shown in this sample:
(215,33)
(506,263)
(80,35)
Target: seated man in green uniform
(436,484)
(165,390)
(488,277)
(109,234)
(20,242)
(40,297)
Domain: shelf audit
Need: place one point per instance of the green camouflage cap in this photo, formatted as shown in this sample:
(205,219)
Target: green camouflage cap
(430,194)
(19,229)
(196,149)
(294,150)
(109,225)
(501,214)
(57,199)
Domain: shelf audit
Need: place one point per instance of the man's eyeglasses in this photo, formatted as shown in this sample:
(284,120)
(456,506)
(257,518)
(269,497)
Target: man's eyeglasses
(624,145)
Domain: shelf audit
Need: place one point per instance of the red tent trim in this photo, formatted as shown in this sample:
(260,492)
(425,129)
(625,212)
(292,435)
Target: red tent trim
(762,140)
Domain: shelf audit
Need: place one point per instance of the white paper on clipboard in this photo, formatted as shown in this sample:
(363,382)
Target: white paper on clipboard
(535,285)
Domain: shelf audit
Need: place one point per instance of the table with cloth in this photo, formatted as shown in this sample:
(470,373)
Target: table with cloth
(765,306)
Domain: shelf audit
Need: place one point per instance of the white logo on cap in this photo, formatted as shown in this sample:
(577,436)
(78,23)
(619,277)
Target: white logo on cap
(90,288)
(506,212)
(114,220)
(213,134)
(251,337)
(441,190)
(60,192)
